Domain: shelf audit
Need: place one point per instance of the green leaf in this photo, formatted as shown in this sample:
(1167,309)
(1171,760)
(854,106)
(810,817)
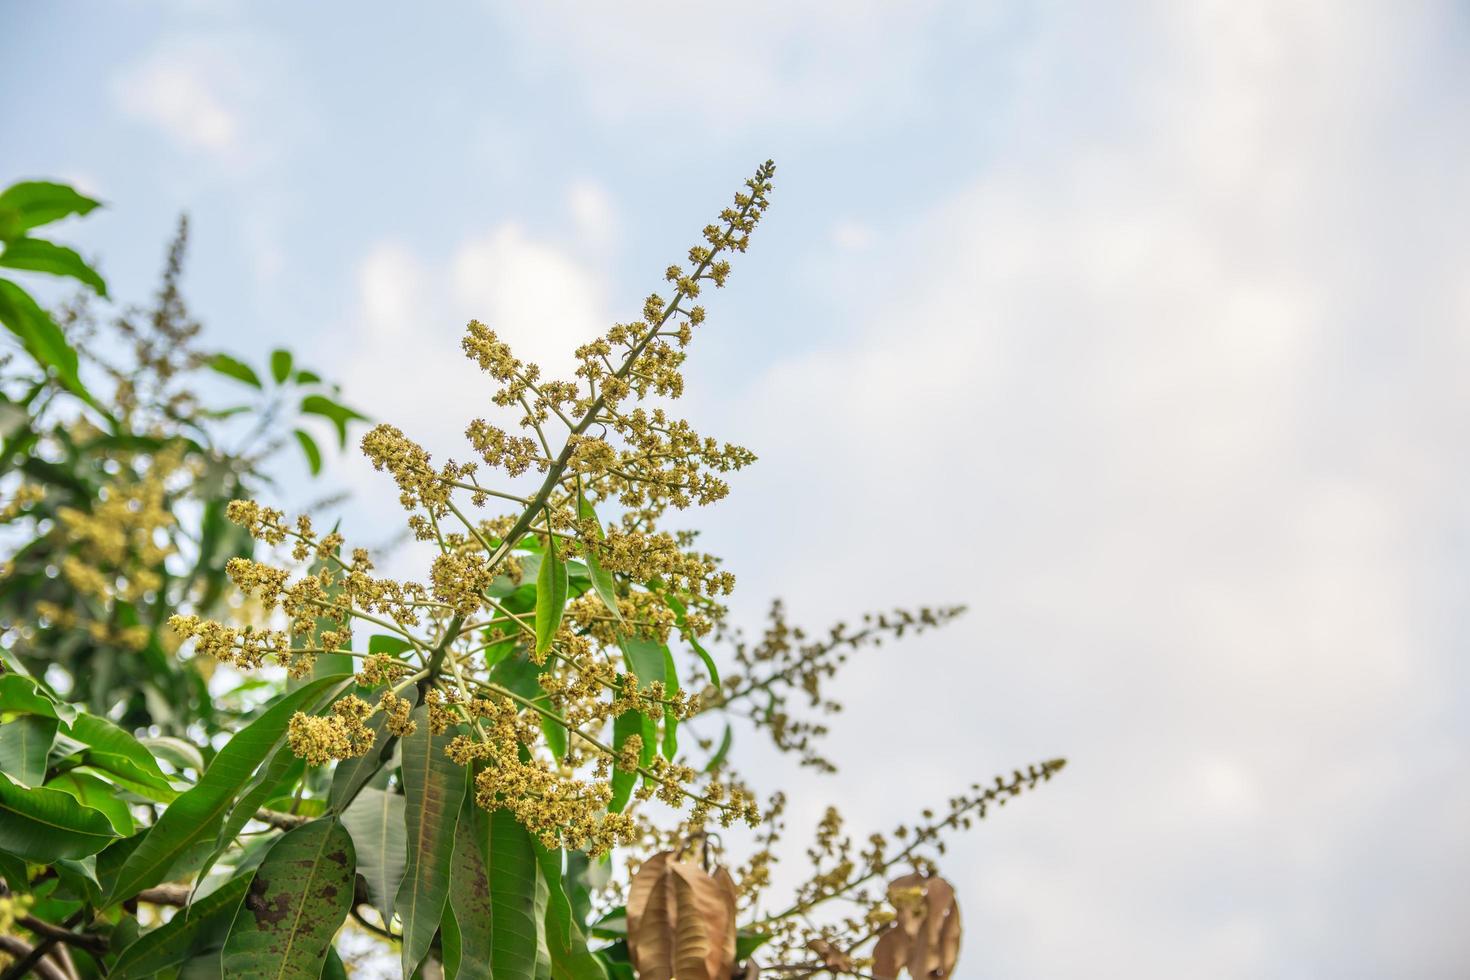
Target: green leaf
(451,945)
(43,825)
(32,203)
(280,364)
(282,769)
(184,755)
(721,752)
(38,255)
(308,378)
(681,619)
(434,786)
(195,931)
(671,719)
(602,580)
(570,959)
(109,743)
(555,732)
(298,899)
(25,742)
(626,724)
(339,415)
(517,922)
(98,794)
(613,925)
(391,645)
(335,968)
(645,659)
(193,820)
(470,905)
(376,822)
(231,368)
(551,599)
(309,450)
(42,338)
(100,745)
(748,942)
(23,695)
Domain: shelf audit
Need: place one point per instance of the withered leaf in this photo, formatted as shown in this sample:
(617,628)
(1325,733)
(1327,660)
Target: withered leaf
(924,938)
(833,958)
(681,921)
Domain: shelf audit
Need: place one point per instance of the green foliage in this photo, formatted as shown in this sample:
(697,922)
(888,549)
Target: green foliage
(435,790)
(122,494)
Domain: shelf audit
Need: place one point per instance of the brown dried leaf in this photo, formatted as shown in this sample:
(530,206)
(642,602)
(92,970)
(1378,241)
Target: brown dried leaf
(681,921)
(833,958)
(925,935)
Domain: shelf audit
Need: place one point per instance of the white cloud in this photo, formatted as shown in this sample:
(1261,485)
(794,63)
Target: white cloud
(853,236)
(725,67)
(540,299)
(186,94)
(220,97)
(400,353)
(592,212)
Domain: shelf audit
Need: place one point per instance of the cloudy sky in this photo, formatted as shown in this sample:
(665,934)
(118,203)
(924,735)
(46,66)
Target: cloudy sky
(1142,329)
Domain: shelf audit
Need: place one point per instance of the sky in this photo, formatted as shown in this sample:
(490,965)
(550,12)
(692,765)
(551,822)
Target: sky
(1139,328)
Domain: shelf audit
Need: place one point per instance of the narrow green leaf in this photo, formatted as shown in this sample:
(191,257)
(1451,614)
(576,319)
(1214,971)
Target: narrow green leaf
(32,203)
(231,368)
(310,450)
(193,820)
(748,942)
(644,658)
(280,771)
(551,599)
(196,931)
(106,741)
(339,415)
(121,772)
(335,968)
(298,899)
(42,338)
(280,364)
(78,877)
(393,645)
(184,755)
(469,896)
(98,794)
(376,822)
(434,788)
(23,695)
(567,946)
(517,922)
(304,377)
(721,752)
(671,720)
(681,619)
(38,255)
(602,580)
(556,733)
(25,742)
(626,724)
(43,825)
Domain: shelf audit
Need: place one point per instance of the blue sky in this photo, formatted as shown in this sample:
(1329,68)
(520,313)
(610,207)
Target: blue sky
(1140,328)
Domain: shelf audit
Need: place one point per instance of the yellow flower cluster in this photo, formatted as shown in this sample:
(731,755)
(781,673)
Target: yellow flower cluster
(340,735)
(26,495)
(118,548)
(507,660)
